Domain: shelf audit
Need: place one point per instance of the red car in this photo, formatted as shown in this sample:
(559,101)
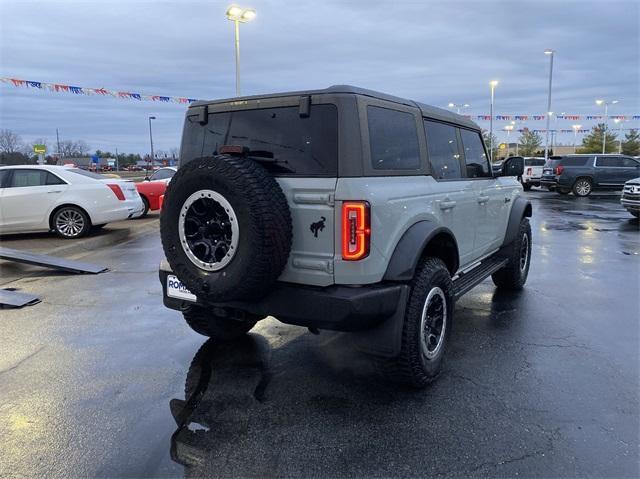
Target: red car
(152,188)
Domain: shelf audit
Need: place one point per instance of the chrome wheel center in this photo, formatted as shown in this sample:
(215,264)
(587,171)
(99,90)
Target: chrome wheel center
(70,222)
(433,325)
(208,230)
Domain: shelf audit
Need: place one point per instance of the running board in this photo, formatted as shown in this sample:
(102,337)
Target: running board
(50,261)
(477,275)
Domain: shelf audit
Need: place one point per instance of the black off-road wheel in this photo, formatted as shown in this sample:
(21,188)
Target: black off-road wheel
(225,227)
(514,275)
(427,327)
(204,321)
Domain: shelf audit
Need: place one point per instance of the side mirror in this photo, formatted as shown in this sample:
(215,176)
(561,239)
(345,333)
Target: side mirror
(146,178)
(513,166)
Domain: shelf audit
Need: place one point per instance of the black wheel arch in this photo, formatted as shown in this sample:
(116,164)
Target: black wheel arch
(521,209)
(424,238)
(59,207)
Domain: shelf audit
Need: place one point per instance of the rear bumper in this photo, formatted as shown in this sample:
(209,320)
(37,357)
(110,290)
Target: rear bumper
(337,308)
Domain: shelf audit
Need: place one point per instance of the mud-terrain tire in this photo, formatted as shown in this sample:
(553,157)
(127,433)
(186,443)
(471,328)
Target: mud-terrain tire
(225,227)
(204,321)
(514,275)
(431,296)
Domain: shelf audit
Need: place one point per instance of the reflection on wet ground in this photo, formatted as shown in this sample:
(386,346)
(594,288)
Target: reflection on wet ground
(539,383)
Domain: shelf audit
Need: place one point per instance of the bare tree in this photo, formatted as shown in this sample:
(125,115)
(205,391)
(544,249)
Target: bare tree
(69,149)
(10,142)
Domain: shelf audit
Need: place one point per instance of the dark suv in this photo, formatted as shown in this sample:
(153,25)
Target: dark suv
(584,173)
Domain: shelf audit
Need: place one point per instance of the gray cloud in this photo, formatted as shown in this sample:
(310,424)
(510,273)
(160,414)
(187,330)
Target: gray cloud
(432,51)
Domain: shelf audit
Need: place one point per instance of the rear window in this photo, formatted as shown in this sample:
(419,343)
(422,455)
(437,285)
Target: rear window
(552,163)
(575,160)
(88,174)
(534,162)
(290,144)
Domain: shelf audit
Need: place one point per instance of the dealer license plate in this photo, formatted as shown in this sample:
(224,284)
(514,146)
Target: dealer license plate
(175,289)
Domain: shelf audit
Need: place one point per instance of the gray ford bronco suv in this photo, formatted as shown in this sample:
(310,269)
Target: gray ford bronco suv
(339,209)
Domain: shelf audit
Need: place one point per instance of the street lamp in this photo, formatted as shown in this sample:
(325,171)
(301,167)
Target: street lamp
(239,15)
(606,113)
(493,84)
(458,107)
(575,135)
(150,141)
(509,129)
(618,122)
(550,53)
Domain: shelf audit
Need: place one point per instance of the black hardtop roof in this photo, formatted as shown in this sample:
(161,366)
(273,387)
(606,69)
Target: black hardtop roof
(427,110)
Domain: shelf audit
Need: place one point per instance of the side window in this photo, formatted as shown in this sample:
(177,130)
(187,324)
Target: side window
(4,174)
(610,161)
(474,155)
(162,174)
(626,162)
(22,178)
(54,180)
(442,145)
(393,139)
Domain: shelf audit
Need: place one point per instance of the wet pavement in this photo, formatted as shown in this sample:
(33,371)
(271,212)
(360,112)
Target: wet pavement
(101,380)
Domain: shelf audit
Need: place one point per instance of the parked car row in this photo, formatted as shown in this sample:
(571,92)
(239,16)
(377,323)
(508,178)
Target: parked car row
(68,201)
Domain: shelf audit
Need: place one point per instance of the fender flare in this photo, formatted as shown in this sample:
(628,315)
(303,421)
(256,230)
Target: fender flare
(521,208)
(408,251)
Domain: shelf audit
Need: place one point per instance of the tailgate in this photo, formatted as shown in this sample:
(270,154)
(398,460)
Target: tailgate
(311,202)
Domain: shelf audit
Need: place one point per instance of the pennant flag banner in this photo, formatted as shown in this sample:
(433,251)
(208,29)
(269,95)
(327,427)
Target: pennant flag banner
(78,90)
(127,95)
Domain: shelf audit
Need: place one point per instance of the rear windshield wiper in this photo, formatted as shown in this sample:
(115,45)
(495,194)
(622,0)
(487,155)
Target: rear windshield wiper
(263,157)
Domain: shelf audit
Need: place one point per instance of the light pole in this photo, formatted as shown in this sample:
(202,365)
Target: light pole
(606,112)
(618,122)
(239,15)
(151,141)
(575,135)
(513,125)
(458,107)
(509,129)
(550,53)
(493,84)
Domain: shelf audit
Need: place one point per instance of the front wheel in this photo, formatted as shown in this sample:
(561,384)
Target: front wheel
(427,326)
(205,322)
(514,275)
(71,222)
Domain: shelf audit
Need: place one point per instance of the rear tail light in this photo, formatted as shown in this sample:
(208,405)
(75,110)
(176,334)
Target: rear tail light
(356,230)
(529,171)
(117,191)
(559,169)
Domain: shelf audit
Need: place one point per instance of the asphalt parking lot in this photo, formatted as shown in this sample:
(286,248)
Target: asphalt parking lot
(101,380)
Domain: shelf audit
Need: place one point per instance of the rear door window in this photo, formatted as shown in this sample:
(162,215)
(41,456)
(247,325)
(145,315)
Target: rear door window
(24,178)
(54,180)
(629,162)
(475,156)
(291,145)
(444,151)
(393,139)
(4,174)
(534,162)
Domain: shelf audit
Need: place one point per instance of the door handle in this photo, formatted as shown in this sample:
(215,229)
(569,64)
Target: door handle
(507,200)
(56,191)
(447,205)
(483,199)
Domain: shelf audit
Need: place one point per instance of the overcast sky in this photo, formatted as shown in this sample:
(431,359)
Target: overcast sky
(432,51)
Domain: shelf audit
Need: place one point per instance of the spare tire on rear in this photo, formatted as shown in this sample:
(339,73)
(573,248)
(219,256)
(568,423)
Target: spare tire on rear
(225,227)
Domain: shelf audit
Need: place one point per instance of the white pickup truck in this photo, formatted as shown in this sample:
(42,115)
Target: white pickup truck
(532,172)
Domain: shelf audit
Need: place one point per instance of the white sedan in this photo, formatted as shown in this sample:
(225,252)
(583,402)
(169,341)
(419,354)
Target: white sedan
(68,201)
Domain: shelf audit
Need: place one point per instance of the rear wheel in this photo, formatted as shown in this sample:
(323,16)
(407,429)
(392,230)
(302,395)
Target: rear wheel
(562,191)
(526,186)
(204,321)
(582,187)
(514,275)
(145,202)
(70,222)
(427,326)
